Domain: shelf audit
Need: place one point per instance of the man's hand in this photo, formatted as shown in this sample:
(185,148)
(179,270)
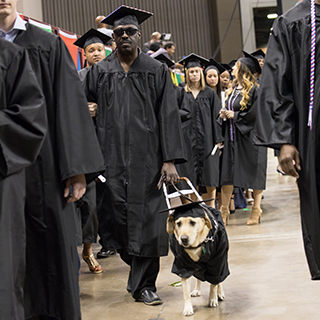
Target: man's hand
(171,173)
(92,108)
(78,184)
(290,160)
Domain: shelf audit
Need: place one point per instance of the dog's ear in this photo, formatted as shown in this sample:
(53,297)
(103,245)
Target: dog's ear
(170,224)
(208,222)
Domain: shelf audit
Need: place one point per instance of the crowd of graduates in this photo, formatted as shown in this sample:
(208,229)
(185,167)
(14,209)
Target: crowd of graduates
(82,153)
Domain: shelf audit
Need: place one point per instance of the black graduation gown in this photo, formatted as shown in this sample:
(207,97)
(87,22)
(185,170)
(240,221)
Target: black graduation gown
(82,73)
(213,263)
(283,112)
(186,169)
(201,132)
(87,228)
(22,131)
(70,148)
(243,164)
(138,128)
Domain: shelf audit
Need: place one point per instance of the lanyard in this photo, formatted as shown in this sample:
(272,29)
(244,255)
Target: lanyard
(230,107)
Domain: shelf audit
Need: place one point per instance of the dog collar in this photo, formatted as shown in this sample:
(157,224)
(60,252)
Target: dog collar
(202,244)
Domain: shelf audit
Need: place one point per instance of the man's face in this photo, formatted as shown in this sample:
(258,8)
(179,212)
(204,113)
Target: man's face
(126,38)
(171,50)
(8,7)
(94,53)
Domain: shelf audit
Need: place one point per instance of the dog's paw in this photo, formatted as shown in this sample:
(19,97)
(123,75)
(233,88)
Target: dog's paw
(196,293)
(188,309)
(221,294)
(213,303)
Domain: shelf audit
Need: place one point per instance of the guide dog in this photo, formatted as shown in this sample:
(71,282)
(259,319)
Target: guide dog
(199,243)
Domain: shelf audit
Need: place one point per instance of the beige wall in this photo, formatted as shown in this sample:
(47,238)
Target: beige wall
(30,8)
(287,4)
(232,45)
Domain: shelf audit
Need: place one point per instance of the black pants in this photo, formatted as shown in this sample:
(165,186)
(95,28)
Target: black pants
(143,272)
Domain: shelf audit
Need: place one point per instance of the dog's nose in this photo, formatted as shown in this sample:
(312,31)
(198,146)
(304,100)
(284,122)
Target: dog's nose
(184,239)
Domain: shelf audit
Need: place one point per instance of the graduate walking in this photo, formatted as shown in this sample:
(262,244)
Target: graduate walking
(288,112)
(139,132)
(70,156)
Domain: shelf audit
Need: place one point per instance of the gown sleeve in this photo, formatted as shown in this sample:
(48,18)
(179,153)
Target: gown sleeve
(217,128)
(23,123)
(90,83)
(168,118)
(80,152)
(275,110)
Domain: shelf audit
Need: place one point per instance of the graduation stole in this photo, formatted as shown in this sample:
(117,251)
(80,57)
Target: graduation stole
(313,60)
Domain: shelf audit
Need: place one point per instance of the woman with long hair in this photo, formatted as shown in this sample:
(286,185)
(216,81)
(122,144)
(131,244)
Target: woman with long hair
(202,130)
(243,163)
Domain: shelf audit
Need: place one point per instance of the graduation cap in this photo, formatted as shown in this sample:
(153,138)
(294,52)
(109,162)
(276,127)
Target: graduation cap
(259,54)
(162,58)
(193,209)
(194,60)
(125,15)
(213,64)
(227,67)
(251,62)
(90,37)
(232,63)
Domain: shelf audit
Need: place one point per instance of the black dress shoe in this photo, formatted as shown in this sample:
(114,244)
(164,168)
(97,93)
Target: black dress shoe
(150,298)
(105,253)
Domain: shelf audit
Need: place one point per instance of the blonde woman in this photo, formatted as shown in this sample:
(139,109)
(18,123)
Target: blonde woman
(202,132)
(243,164)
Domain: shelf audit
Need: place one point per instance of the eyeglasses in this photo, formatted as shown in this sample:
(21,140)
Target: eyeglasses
(119,32)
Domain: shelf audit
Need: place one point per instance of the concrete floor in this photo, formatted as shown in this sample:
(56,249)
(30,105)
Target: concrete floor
(269,277)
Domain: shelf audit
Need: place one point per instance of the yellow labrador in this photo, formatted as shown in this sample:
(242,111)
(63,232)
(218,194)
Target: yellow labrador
(190,242)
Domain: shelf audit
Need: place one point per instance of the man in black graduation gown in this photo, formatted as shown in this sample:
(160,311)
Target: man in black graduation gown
(139,132)
(22,131)
(282,119)
(93,44)
(70,151)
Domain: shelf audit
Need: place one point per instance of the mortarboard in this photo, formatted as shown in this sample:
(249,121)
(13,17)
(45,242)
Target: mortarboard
(251,62)
(213,64)
(259,54)
(194,60)
(162,58)
(90,37)
(227,67)
(232,63)
(193,209)
(125,15)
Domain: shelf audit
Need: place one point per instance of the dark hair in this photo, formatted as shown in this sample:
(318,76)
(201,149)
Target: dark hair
(109,43)
(154,46)
(169,45)
(218,86)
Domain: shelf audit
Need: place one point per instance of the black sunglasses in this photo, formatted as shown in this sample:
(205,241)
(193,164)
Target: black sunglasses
(119,32)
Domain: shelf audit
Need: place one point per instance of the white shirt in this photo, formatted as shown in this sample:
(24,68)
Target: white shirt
(19,24)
